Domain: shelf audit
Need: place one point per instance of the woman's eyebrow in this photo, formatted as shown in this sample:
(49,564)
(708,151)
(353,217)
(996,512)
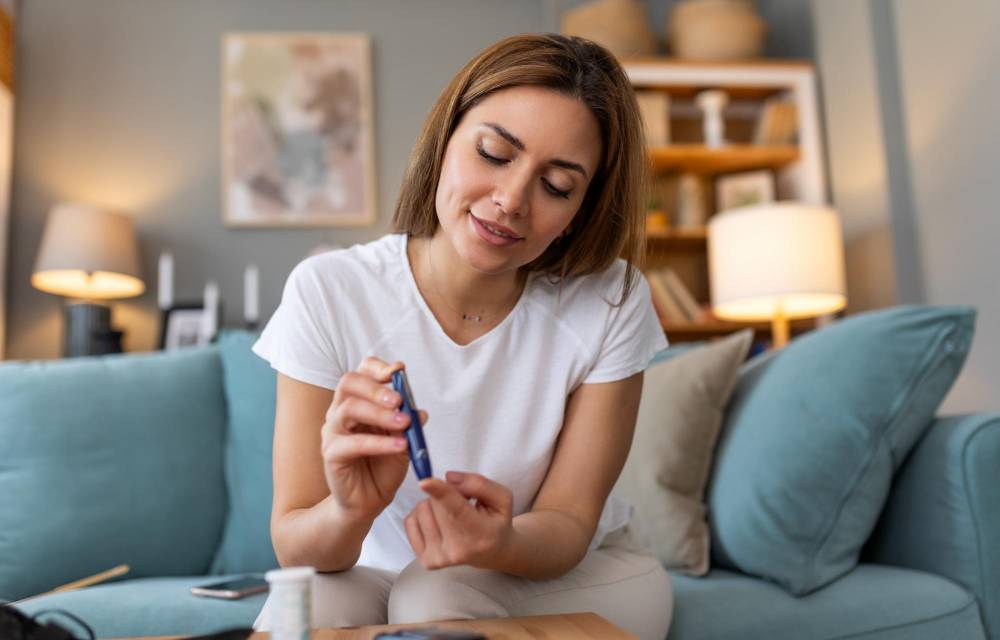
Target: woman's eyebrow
(514,140)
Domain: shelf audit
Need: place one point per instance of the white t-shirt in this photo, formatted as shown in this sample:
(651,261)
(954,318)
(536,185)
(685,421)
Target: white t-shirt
(496,405)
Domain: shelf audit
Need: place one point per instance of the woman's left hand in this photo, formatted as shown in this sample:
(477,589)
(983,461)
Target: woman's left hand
(447,529)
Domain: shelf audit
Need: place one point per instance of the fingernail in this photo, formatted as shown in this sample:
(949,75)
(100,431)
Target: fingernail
(387,399)
(455,477)
(400,443)
(400,417)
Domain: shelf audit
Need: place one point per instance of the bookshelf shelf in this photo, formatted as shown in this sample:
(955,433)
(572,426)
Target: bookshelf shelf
(762,95)
(707,330)
(677,240)
(698,158)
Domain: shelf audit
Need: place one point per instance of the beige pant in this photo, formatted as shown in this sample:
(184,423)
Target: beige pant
(618,581)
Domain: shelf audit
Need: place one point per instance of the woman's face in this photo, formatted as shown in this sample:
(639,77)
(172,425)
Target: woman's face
(515,172)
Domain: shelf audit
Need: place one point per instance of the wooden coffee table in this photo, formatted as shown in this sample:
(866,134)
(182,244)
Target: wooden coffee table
(569,626)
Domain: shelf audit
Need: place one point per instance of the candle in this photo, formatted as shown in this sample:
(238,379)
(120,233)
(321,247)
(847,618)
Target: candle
(209,316)
(250,305)
(165,286)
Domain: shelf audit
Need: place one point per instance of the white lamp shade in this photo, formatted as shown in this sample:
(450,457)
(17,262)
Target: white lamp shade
(781,255)
(88,253)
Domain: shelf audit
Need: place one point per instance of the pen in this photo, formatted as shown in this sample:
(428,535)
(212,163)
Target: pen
(414,433)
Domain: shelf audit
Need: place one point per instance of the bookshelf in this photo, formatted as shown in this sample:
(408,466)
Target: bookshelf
(794,164)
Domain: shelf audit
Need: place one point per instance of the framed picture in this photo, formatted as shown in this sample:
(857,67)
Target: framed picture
(297,142)
(743,189)
(185,325)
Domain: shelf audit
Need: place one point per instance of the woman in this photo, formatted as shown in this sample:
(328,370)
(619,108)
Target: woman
(524,336)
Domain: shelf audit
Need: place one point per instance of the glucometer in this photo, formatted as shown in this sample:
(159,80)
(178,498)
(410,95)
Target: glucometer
(414,433)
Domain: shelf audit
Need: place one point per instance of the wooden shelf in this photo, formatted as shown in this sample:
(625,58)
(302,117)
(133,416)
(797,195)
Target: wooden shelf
(718,328)
(661,62)
(678,240)
(708,160)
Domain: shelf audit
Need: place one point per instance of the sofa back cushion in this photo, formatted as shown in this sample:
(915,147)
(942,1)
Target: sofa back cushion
(814,433)
(249,385)
(106,461)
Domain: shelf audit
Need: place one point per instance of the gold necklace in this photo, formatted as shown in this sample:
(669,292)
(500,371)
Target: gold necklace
(433,274)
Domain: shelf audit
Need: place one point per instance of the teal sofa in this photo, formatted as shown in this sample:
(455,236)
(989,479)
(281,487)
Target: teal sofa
(162,462)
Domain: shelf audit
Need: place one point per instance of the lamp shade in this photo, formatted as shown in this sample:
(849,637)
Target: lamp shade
(780,258)
(88,253)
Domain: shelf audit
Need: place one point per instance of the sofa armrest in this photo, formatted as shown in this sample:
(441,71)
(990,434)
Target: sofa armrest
(943,514)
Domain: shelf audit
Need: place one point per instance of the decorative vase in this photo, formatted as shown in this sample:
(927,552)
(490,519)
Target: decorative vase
(619,26)
(692,209)
(716,30)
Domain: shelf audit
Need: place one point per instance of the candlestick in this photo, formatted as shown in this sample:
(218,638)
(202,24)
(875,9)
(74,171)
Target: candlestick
(209,321)
(165,285)
(251,311)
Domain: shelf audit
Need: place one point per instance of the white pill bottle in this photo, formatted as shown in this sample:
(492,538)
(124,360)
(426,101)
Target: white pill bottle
(290,602)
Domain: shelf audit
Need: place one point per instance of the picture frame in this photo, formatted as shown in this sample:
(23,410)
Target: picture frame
(744,189)
(183,325)
(297,130)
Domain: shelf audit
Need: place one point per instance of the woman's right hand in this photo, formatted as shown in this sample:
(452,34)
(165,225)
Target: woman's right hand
(363,447)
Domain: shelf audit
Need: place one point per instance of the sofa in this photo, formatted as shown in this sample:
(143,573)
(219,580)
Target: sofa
(162,461)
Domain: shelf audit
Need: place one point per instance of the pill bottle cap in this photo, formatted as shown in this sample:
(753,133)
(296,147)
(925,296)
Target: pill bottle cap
(290,574)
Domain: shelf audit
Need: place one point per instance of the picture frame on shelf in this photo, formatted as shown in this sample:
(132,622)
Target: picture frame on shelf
(744,189)
(184,325)
(297,130)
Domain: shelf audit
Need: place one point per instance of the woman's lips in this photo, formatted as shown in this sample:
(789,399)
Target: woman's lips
(490,237)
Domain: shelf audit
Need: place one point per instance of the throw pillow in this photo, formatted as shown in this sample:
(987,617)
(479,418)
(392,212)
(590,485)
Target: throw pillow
(683,399)
(814,434)
(249,385)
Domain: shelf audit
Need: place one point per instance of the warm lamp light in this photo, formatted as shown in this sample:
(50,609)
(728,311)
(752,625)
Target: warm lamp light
(776,261)
(90,254)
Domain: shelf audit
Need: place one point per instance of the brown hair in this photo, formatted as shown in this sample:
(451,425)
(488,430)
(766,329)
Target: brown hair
(611,220)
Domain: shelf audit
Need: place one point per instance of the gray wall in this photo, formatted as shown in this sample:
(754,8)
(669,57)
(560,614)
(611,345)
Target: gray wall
(950,97)
(911,96)
(845,51)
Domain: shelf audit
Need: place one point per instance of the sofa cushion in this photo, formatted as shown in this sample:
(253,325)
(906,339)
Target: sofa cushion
(250,397)
(814,433)
(106,461)
(683,400)
(150,607)
(872,601)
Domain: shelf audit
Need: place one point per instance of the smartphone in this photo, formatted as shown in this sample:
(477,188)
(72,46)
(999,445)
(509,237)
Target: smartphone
(429,633)
(231,589)
(414,433)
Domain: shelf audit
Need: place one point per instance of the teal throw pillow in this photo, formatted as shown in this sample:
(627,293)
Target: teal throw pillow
(250,397)
(814,433)
(106,461)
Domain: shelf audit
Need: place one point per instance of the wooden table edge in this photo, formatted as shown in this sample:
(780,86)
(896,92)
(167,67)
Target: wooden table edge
(567,626)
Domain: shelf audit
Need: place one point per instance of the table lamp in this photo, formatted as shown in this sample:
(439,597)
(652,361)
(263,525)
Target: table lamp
(88,254)
(777,261)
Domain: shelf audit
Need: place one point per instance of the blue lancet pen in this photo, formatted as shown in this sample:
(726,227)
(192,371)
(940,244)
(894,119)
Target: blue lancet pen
(414,433)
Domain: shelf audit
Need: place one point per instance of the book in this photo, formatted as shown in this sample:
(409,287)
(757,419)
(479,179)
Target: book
(661,291)
(682,295)
(666,307)
(777,123)
(654,107)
